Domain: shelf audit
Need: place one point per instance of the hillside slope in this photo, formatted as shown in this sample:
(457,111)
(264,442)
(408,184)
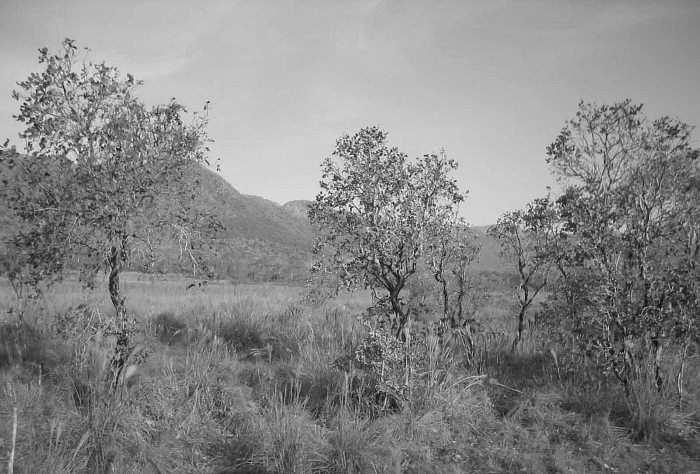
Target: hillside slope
(251,217)
(299,208)
(260,239)
(489,257)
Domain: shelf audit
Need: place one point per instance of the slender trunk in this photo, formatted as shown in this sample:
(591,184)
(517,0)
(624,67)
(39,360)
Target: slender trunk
(521,327)
(460,302)
(400,315)
(681,370)
(115,268)
(658,375)
(17,288)
(524,303)
(445,298)
(439,275)
(407,357)
(121,350)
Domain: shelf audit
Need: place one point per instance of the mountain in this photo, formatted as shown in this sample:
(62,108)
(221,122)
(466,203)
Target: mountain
(299,208)
(489,259)
(251,217)
(260,239)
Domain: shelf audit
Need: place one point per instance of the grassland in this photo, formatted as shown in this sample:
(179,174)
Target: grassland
(251,379)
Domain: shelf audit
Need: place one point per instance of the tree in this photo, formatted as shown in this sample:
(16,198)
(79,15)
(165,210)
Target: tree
(451,250)
(633,207)
(97,161)
(33,251)
(528,238)
(374,212)
(447,286)
(572,285)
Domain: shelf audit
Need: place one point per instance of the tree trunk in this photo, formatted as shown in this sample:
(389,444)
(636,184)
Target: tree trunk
(400,316)
(459,319)
(439,276)
(445,299)
(521,327)
(115,268)
(658,375)
(121,350)
(524,303)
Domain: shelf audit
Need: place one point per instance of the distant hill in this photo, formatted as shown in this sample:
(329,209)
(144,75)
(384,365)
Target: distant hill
(489,256)
(298,208)
(260,240)
(251,217)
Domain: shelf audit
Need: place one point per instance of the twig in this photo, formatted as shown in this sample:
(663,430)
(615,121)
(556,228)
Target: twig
(495,382)
(11,462)
(83,438)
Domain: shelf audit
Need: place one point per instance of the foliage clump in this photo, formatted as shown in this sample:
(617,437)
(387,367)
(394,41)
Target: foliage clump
(375,212)
(97,161)
(618,248)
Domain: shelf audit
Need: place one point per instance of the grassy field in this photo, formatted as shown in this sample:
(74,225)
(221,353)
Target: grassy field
(254,379)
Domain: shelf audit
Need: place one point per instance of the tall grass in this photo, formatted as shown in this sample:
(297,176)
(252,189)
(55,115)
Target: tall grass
(252,379)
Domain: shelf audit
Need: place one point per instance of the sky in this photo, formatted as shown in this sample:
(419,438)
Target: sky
(491,82)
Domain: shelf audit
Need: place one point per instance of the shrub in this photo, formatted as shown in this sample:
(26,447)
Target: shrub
(291,441)
(356,445)
(23,345)
(243,336)
(169,329)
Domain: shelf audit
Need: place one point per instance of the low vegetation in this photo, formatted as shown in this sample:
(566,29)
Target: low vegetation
(248,378)
(400,354)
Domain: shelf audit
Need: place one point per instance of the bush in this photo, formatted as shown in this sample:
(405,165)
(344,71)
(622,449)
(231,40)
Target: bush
(356,445)
(23,345)
(242,336)
(169,329)
(291,441)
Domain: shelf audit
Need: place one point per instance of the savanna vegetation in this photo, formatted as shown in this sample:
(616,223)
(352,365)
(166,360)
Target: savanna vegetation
(579,353)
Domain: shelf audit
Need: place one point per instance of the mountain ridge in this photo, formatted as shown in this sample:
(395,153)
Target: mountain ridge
(261,239)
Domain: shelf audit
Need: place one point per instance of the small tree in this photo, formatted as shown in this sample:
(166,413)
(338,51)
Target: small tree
(528,239)
(573,283)
(451,250)
(34,251)
(632,204)
(97,162)
(374,212)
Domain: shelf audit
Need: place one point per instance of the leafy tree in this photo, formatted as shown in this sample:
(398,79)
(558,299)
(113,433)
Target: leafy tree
(97,160)
(573,282)
(632,204)
(33,250)
(375,211)
(528,238)
(450,251)
(446,286)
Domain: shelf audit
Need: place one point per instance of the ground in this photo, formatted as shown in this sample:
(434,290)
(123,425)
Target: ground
(250,378)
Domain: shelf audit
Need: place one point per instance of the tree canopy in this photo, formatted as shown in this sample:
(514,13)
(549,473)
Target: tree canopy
(631,206)
(375,211)
(96,159)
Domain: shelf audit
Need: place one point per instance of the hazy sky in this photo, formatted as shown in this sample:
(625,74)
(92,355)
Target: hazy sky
(491,82)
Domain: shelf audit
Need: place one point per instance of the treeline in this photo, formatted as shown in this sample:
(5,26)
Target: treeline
(614,255)
(617,249)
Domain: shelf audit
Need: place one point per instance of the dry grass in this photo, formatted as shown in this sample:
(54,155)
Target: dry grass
(244,379)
